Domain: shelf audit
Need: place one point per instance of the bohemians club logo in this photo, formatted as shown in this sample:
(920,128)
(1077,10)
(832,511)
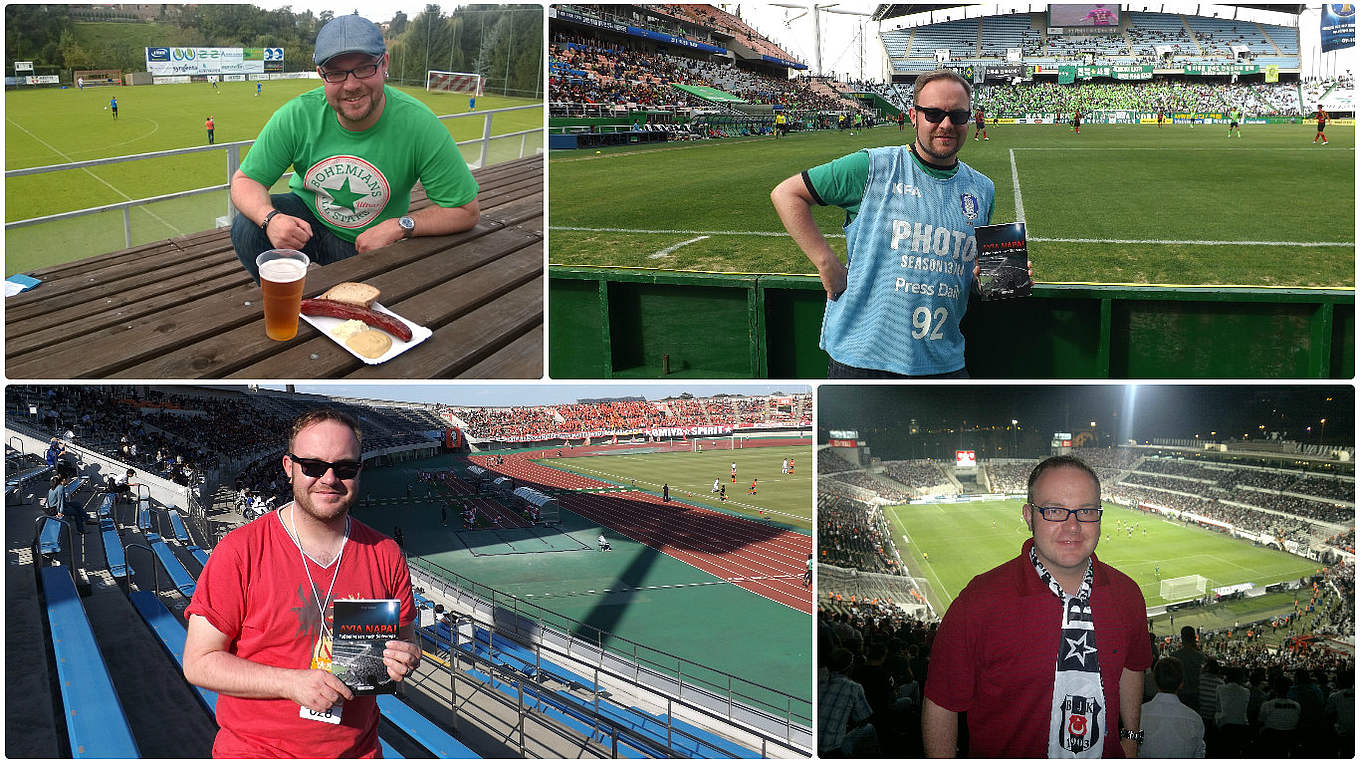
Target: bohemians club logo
(350,192)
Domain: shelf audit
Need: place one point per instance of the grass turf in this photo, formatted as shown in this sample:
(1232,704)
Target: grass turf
(784,499)
(54,126)
(1115,204)
(961,543)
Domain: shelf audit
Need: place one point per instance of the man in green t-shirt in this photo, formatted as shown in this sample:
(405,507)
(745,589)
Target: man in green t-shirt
(357,147)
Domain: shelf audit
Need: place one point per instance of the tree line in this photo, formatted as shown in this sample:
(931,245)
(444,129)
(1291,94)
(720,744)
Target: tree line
(503,43)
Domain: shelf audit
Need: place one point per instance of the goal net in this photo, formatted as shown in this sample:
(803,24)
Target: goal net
(453,81)
(1184,587)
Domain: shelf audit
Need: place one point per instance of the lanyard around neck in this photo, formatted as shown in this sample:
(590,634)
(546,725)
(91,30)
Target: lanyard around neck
(321,604)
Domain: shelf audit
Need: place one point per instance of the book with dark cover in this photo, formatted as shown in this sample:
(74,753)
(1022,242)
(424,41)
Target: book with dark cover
(362,629)
(1003,261)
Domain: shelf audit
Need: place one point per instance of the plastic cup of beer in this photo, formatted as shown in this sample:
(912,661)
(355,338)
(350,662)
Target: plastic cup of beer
(283,273)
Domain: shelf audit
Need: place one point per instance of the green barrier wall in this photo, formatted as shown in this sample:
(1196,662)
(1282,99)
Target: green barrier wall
(621,323)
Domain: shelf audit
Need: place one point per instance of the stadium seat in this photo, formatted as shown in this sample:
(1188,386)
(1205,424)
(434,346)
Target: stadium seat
(96,724)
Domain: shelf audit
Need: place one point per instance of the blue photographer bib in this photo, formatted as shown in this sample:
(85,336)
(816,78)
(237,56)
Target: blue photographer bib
(912,253)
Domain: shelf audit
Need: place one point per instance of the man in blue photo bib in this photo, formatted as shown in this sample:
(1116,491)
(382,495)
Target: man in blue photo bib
(894,310)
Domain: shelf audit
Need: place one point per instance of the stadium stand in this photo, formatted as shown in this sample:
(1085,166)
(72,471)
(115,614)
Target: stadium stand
(113,428)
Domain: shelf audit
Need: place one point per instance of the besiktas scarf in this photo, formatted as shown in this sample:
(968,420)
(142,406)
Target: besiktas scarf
(1077,720)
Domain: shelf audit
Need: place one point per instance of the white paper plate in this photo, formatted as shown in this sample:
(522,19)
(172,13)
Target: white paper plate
(418,334)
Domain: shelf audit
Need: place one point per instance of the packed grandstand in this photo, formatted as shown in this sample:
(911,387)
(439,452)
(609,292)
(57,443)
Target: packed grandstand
(649,73)
(1293,497)
(204,460)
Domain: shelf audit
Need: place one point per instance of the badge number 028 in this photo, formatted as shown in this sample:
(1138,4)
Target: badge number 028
(331,714)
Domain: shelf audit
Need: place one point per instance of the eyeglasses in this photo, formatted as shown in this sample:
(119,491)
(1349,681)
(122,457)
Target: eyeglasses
(347,469)
(1059,514)
(363,72)
(936,115)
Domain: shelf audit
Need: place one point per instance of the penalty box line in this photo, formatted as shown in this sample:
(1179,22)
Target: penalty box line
(1091,241)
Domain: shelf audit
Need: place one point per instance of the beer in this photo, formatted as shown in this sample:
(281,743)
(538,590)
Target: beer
(281,283)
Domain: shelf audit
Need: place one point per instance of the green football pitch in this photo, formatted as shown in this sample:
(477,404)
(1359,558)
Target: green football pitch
(783,499)
(1115,204)
(55,126)
(631,594)
(963,540)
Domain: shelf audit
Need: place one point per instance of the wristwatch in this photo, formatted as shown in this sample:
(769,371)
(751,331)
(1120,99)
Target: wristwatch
(408,227)
(264,225)
(1137,736)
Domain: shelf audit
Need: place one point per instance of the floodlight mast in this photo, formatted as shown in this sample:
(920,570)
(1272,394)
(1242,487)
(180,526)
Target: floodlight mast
(817,26)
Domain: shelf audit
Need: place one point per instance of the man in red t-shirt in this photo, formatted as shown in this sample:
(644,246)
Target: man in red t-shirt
(260,620)
(1046,652)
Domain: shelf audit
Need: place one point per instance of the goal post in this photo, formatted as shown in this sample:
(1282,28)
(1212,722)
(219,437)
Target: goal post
(453,81)
(1184,587)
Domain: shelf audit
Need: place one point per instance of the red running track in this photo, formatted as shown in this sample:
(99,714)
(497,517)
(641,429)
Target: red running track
(759,557)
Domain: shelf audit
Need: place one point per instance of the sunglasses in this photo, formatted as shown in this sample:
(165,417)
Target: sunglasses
(936,115)
(315,468)
(1060,514)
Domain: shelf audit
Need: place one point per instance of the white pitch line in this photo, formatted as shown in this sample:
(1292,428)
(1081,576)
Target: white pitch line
(1015,184)
(1101,241)
(1273,243)
(1178,150)
(664,252)
(52,148)
(748,233)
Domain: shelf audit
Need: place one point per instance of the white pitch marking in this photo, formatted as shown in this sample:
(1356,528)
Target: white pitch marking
(1272,243)
(1102,241)
(1178,150)
(1015,183)
(664,252)
(52,148)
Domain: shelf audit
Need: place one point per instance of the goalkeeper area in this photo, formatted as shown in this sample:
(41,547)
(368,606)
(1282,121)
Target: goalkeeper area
(1186,587)
(963,540)
(453,81)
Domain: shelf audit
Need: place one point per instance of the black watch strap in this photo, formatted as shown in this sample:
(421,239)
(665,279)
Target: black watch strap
(264,225)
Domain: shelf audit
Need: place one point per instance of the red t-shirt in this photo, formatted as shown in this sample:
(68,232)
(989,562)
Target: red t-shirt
(254,591)
(997,648)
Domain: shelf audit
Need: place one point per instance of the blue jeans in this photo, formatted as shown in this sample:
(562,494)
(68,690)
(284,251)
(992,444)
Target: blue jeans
(250,241)
(837,371)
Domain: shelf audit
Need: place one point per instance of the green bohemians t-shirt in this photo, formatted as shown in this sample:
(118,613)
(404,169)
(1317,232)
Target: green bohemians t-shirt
(354,180)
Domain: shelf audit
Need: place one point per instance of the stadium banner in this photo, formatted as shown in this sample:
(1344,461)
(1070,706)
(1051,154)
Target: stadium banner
(173,61)
(171,80)
(1219,69)
(842,443)
(787,64)
(233,77)
(272,57)
(565,15)
(1067,74)
(1004,73)
(48,79)
(22,66)
(1272,74)
(671,39)
(1337,26)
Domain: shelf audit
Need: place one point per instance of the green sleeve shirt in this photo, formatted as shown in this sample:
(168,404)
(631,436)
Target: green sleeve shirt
(354,180)
(842,182)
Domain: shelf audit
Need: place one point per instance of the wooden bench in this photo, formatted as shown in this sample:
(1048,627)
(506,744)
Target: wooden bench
(185,308)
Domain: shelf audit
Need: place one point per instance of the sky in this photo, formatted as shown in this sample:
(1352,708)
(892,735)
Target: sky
(1140,412)
(525,394)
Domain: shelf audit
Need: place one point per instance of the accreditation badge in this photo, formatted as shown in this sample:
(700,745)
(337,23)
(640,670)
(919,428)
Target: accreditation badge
(321,660)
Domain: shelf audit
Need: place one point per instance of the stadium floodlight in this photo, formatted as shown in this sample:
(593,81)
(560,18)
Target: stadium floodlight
(453,81)
(1184,587)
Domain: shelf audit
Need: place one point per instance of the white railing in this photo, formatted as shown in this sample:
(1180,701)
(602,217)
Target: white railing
(233,153)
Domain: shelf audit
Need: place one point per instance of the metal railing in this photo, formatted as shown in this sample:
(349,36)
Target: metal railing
(233,155)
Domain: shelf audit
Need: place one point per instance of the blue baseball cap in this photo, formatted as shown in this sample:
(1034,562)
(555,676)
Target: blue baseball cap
(348,34)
